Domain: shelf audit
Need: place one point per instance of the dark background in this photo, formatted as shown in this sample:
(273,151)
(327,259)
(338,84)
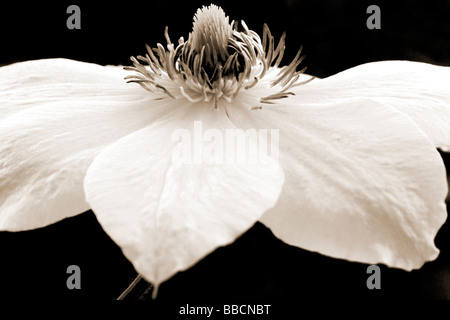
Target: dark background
(257,267)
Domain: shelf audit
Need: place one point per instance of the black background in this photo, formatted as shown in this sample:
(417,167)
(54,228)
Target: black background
(257,267)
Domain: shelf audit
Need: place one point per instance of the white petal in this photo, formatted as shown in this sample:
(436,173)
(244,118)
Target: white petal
(363,183)
(53,125)
(419,90)
(25,84)
(165,213)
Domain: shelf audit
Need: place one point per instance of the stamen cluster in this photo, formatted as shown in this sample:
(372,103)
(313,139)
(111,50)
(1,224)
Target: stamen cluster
(217,61)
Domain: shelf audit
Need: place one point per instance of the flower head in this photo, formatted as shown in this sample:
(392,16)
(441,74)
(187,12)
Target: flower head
(356,174)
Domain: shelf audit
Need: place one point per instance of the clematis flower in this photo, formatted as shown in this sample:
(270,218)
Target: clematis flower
(357,175)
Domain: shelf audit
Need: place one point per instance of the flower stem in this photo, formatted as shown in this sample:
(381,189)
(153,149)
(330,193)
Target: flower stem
(130,287)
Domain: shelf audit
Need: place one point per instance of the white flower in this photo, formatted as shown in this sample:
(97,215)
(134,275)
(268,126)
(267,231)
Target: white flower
(358,176)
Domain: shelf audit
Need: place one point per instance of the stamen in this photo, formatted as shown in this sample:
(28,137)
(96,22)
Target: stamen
(252,84)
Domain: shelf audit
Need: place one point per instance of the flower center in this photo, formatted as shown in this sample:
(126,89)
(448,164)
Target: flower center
(216,62)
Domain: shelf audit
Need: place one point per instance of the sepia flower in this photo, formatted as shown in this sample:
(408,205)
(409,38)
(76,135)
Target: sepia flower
(357,175)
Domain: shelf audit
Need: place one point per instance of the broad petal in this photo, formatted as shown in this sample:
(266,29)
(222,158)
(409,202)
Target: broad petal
(363,183)
(26,84)
(54,123)
(419,90)
(167,213)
